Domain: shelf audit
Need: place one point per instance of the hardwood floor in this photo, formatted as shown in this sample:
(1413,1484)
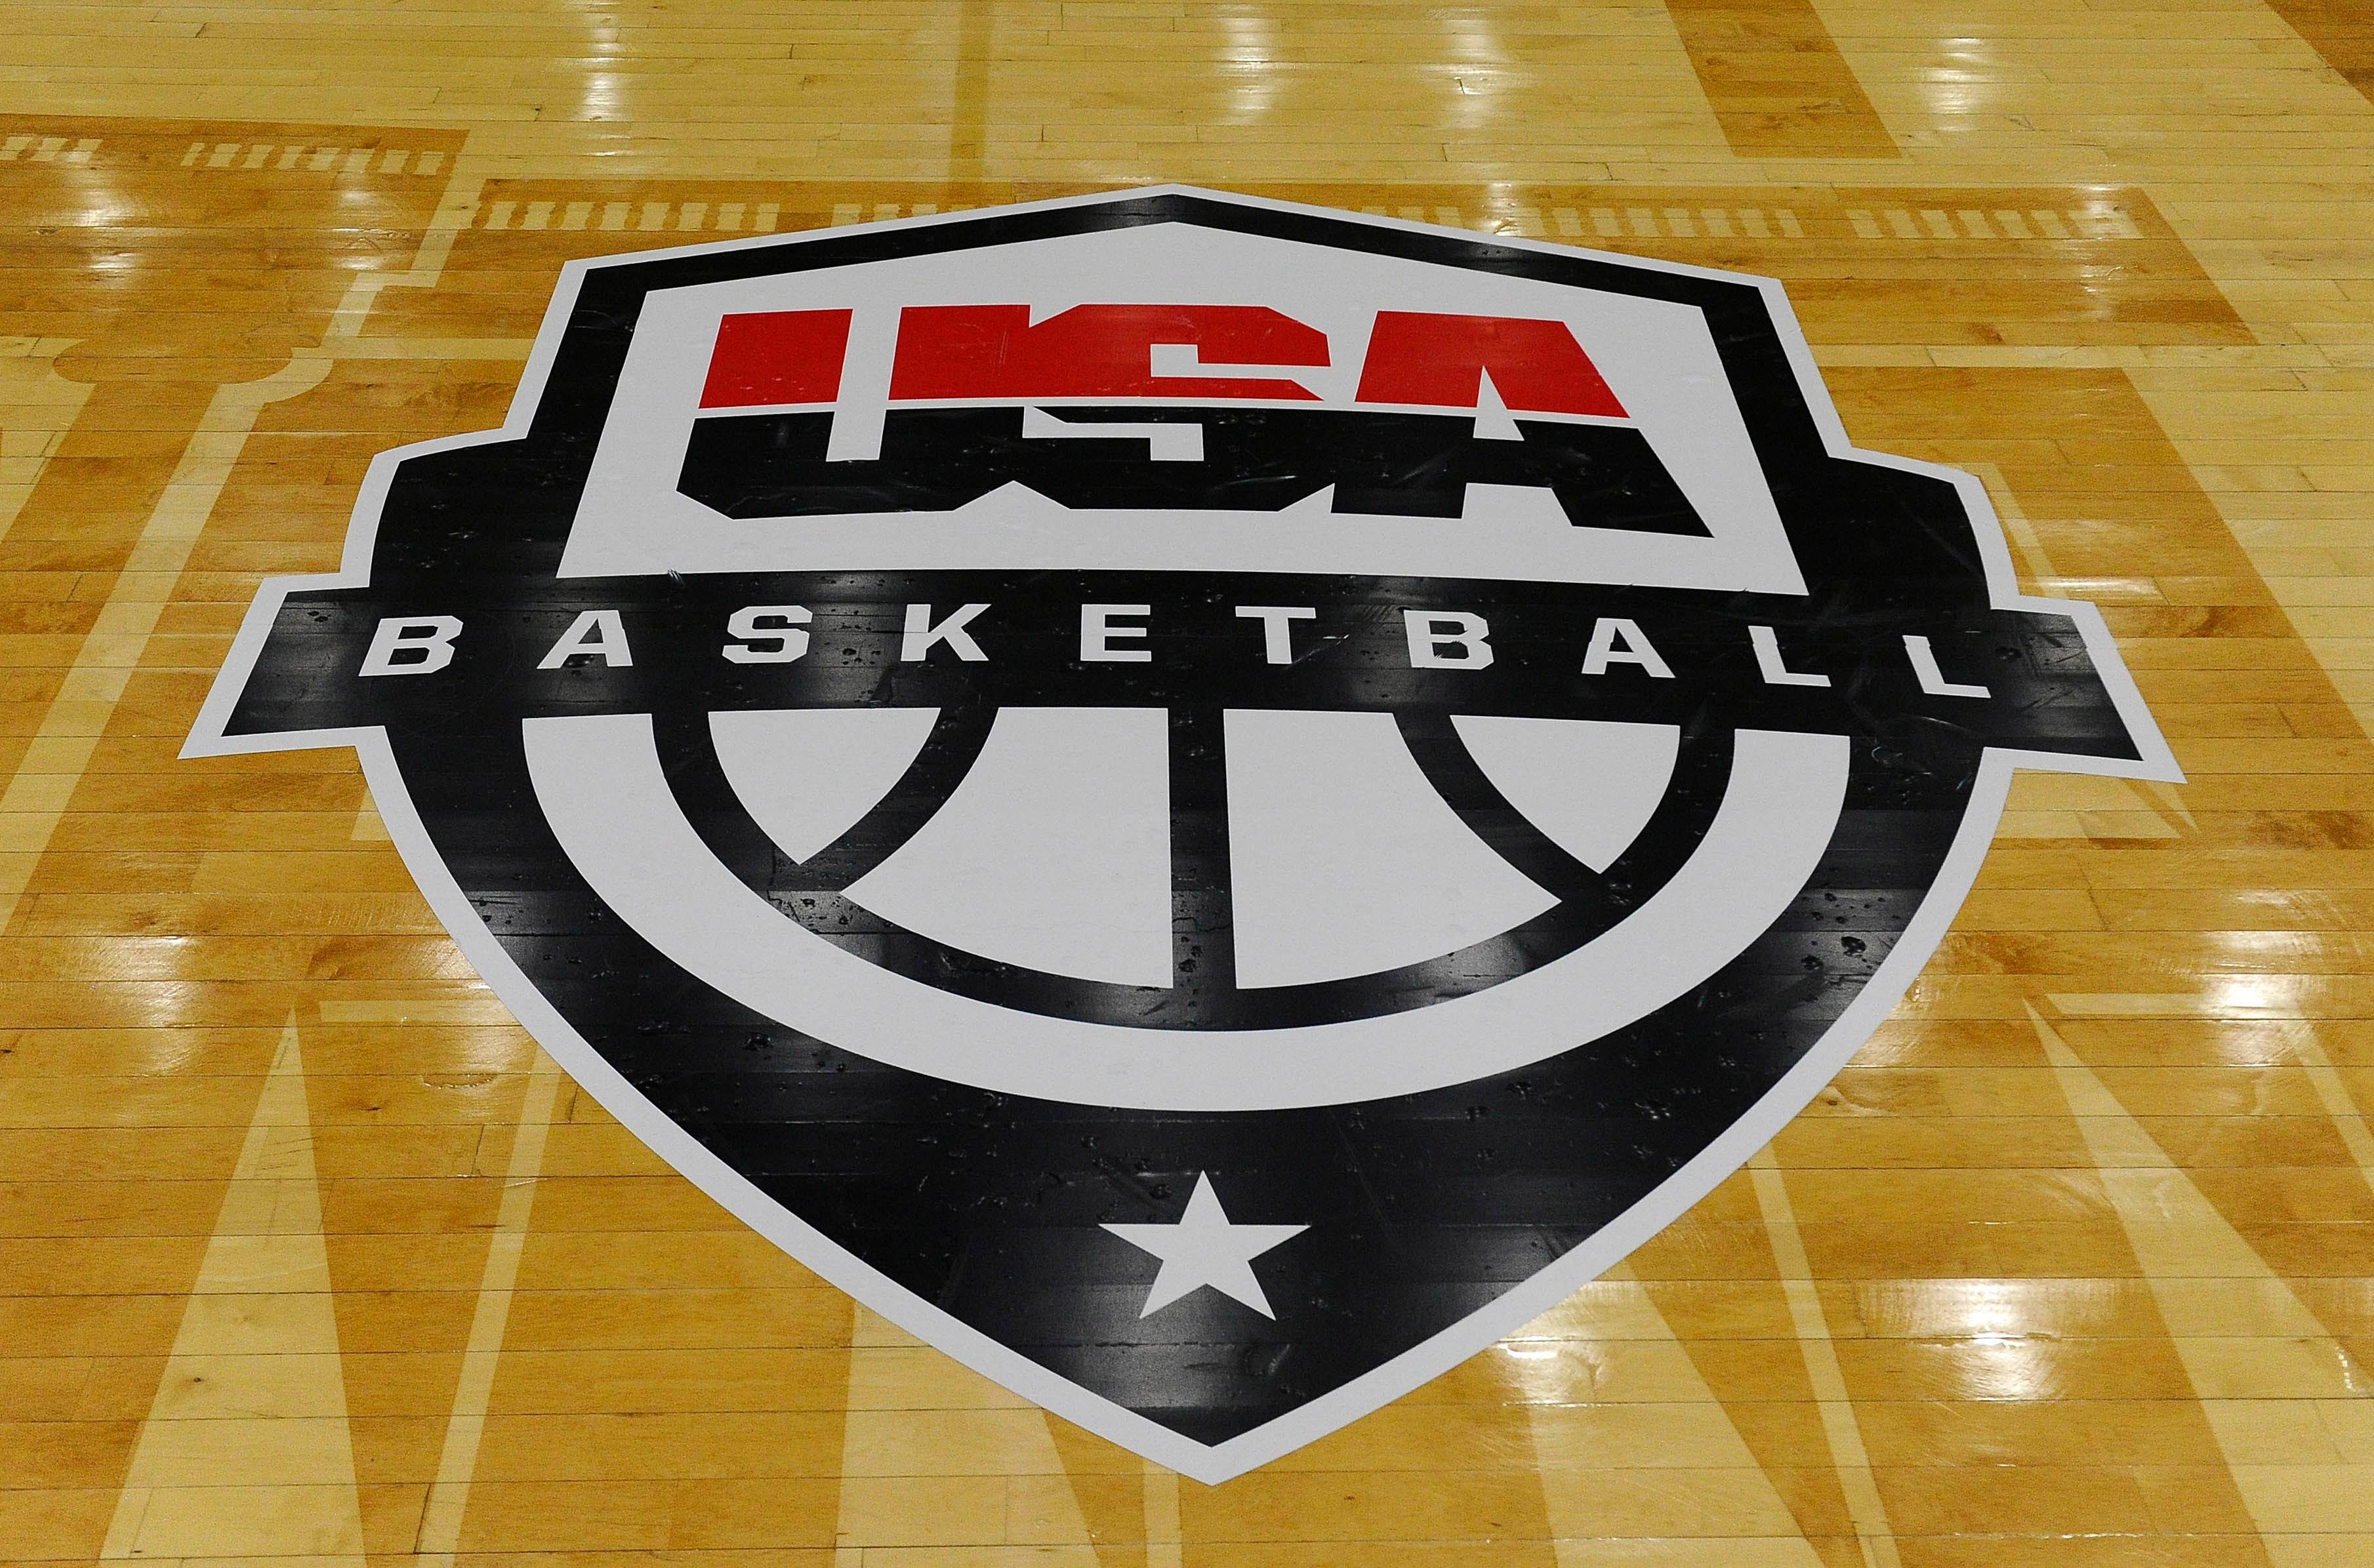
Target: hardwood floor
(308,1255)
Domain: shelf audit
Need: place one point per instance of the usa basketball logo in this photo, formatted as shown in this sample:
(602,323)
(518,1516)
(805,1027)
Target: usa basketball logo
(1208,804)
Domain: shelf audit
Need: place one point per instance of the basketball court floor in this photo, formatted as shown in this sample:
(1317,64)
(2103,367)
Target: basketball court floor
(308,1255)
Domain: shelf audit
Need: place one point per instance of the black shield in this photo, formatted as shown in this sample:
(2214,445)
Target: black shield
(1211,1124)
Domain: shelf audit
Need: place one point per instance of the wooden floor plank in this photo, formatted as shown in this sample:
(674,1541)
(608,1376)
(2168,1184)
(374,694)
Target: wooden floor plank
(2079,1248)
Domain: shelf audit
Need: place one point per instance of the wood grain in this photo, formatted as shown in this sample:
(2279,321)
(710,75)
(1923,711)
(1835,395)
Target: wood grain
(2070,1267)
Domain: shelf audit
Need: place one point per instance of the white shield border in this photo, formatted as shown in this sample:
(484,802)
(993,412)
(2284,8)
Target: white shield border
(1209,1463)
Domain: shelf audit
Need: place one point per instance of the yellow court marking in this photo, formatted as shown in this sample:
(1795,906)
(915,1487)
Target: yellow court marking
(2288,1403)
(1776,81)
(246,1451)
(1162,1531)
(115,644)
(968,111)
(1837,1406)
(1638,1459)
(449,1497)
(909,1412)
(37,408)
(2116,257)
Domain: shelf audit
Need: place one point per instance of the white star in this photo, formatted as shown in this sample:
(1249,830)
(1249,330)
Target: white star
(1204,1249)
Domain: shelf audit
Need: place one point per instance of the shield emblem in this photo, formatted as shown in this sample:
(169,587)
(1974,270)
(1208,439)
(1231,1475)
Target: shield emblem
(1208,804)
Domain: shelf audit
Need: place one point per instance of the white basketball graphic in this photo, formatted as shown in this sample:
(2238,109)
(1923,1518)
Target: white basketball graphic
(1051,851)
(998,741)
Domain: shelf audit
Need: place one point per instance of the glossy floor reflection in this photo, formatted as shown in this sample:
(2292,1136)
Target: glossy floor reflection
(305,1256)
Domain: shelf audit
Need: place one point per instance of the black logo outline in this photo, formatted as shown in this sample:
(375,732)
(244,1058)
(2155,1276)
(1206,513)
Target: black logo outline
(562,399)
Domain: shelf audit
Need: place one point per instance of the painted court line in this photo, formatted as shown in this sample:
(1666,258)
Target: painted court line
(449,1496)
(77,716)
(1836,1405)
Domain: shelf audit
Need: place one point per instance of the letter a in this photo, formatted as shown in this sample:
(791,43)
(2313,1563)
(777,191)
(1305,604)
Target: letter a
(1635,649)
(597,634)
